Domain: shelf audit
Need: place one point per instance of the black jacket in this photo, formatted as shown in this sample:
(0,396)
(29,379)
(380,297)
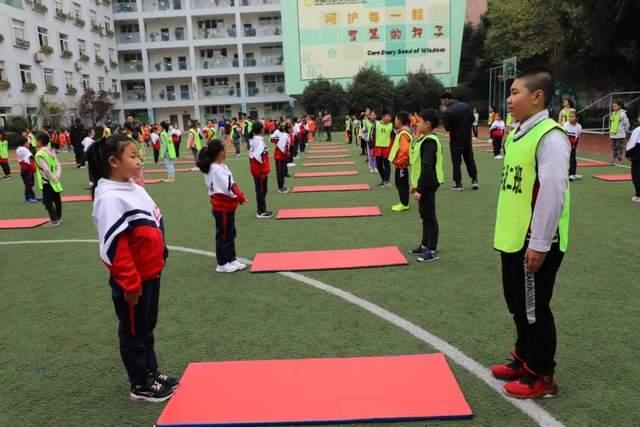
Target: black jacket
(458,120)
(77,132)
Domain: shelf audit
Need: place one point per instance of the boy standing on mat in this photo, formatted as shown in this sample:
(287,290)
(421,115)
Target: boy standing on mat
(531,234)
(382,146)
(399,155)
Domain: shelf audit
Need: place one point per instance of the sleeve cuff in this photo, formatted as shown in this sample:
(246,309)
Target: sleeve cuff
(539,245)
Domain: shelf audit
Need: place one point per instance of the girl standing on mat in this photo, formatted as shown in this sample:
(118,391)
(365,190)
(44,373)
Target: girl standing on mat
(48,175)
(281,155)
(573,130)
(132,247)
(496,132)
(260,168)
(168,152)
(225,197)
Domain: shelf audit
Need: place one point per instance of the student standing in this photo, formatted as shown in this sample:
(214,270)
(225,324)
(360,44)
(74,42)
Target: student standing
(281,155)
(4,156)
(382,148)
(619,124)
(224,196)
(476,122)
(427,174)
(132,247)
(48,175)
(573,130)
(399,155)
(27,169)
(194,141)
(496,132)
(531,233)
(168,152)
(633,154)
(260,168)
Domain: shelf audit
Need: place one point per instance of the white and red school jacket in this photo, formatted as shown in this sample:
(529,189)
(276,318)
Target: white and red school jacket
(224,193)
(130,231)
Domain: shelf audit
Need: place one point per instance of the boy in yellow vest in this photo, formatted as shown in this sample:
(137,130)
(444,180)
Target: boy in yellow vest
(399,156)
(48,174)
(382,134)
(427,174)
(4,156)
(531,234)
(619,124)
(194,142)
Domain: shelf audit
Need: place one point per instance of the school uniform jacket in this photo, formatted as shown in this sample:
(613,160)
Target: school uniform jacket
(224,193)
(131,233)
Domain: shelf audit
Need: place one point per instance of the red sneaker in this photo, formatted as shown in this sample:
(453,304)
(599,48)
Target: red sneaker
(510,371)
(532,386)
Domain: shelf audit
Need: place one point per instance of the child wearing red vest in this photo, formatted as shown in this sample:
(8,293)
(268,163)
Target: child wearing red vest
(225,197)
(260,168)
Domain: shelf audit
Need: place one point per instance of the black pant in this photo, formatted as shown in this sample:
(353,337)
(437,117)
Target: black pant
(177,145)
(261,192)
(293,150)
(225,236)
(156,155)
(363,145)
(136,334)
(6,168)
(402,184)
(303,142)
(474,128)
(635,176)
(457,154)
(27,179)
(52,202)
(430,228)
(497,145)
(528,297)
(80,158)
(236,144)
(281,172)
(349,137)
(573,163)
(327,130)
(384,168)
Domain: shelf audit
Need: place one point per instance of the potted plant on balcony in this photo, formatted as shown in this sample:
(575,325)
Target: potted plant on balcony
(5,85)
(232,92)
(61,15)
(46,50)
(113,64)
(1,38)
(280,88)
(71,91)
(52,89)
(78,21)
(109,33)
(96,28)
(40,8)
(115,95)
(29,87)
(23,43)
(99,60)
(66,54)
(250,32)
(84,57)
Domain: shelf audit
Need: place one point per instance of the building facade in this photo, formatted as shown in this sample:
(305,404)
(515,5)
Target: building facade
(50,52)
(160,59)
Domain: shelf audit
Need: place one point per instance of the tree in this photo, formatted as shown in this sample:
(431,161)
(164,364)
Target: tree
(370,89)
(421,90)
(321,94)
(95,106)
(51,112)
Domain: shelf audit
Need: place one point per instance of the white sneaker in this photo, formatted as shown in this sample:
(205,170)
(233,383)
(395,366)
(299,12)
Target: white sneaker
(229,267)
(194,169)
(578,176)
(240,266)
(635,199)
(498,157)
(373,171)
(572,177)
(291,165)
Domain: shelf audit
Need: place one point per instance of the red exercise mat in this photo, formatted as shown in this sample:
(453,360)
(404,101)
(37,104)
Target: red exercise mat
(335,187)
(153,181)
(8,224)
(613,178)
(326,156)
(328,212)
(319,174)
(165,171)
(591,164)
(333,151)
(78,198)
(318,164)
(328,260)
(314,391)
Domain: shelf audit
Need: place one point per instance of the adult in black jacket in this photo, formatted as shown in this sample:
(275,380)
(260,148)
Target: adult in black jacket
(77,132)
(458,120)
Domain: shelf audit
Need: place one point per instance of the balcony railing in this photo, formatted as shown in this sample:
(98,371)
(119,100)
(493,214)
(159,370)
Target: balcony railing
(172,96)
(267,89)
(171,36)
(219,62)
(220,92)
(162,5)
(124,7)
(267,30)
(216,33)
(128,38)
(207,4)
(135,96)
(258,2)
(131,67)
(170,66)
(265,61)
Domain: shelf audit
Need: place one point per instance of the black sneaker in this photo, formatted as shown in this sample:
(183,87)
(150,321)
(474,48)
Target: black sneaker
(457,187)
(264,215)
(166,380)
(475,185)
(418,250)
(428,255)
(152,391)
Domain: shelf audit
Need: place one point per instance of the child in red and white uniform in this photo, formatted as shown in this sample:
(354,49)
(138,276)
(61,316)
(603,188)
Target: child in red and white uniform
(27,168)
(281,155)
(573,129)
(132,247)
(225,197)
(260,168)
(496,132)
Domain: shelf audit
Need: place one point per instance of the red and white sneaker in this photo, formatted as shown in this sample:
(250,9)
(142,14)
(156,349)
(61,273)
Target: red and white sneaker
(510,371)
(532,386)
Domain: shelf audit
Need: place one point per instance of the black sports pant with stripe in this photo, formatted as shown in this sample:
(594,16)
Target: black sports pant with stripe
(528,296)
(225,236)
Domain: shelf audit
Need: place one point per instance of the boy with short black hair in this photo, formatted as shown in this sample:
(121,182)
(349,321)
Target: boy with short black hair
(427,174)
(383,134)
(531,233)
(399,156)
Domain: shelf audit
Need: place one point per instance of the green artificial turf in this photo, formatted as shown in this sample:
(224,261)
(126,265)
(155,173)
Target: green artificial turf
(59,360)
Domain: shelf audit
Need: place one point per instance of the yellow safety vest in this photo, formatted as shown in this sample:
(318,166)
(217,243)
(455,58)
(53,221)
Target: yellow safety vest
(52,163)
(383,134)
(416,160)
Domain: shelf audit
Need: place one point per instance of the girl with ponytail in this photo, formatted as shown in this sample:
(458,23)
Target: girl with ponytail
(260,168)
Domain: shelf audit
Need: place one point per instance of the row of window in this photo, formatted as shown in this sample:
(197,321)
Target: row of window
(63,41)
(49,78)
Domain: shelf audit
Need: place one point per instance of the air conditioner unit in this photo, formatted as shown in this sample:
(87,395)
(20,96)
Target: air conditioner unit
(39,57)
(78,65)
